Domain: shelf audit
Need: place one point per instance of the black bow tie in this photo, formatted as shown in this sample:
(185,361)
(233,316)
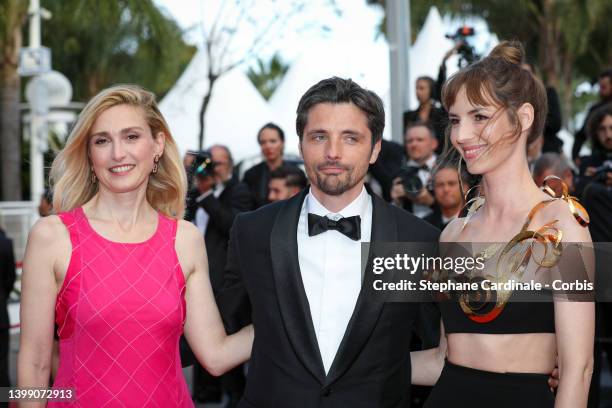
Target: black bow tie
(349,226)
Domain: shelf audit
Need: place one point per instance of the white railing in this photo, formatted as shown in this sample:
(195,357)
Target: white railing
(16,219)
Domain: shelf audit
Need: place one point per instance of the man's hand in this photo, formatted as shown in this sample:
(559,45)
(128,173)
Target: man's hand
(553,380)
(424,197)
(590,171)
(204,184)
(398,193)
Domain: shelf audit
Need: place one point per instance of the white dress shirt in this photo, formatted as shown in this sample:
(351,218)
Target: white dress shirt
(201,216)
(330,264)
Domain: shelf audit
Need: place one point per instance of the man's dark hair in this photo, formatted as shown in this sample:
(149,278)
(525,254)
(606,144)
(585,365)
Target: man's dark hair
(293,176)
(606,74)
(593,125)
(550,161)
(273,126)
(426,125)
(338,90)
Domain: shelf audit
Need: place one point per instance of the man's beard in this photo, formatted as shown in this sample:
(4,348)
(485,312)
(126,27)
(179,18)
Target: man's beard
(335,185)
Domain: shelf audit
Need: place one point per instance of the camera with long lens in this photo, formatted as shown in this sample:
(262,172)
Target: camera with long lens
(411,181)
(203,166)
(467,53)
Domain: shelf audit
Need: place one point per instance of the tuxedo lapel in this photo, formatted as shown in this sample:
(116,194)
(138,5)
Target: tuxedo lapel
(292,300)
(367,310)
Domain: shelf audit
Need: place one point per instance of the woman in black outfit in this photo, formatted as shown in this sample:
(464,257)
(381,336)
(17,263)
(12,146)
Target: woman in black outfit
(500,354)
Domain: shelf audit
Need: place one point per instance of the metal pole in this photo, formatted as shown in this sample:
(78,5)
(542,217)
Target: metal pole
(398,35)
(38,126)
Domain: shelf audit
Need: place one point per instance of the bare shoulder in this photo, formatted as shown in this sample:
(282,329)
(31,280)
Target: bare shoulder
(560,212)
(187,234)
(452,230)
(189,246)
(48,246)
(48,231)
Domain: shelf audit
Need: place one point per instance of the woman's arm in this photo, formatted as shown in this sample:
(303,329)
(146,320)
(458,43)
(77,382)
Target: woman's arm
(575,328)
(574,320)
(38,294)
(204,330)
(427,364)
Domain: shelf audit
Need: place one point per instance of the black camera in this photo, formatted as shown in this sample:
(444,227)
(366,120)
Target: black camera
(410,180)
(601,172)
(203,165)
(466,52)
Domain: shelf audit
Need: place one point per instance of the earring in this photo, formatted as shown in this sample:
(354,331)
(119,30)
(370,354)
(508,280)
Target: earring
(155,165)
(94,179)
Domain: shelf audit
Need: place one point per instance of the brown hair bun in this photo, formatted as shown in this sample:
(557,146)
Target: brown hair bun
(511,52)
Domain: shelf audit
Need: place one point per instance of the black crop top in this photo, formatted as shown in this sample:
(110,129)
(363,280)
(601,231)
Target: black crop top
(509,317)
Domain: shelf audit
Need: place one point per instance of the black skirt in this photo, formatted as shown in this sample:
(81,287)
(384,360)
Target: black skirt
(461,386)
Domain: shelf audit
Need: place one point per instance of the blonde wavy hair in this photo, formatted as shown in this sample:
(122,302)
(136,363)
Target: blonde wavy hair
(70,175)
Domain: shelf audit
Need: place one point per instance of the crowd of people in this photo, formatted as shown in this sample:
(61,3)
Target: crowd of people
(145,263)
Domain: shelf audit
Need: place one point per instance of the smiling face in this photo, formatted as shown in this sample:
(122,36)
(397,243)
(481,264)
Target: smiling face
(337,147)
(483,135)
(122,149)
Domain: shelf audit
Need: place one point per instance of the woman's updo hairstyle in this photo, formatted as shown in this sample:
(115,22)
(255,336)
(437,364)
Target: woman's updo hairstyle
(499,80)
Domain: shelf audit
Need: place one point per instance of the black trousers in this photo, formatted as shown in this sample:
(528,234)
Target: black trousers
(460,387)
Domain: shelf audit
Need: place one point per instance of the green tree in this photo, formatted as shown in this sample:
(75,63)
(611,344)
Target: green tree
(100,43)
(266,76)
(13,14)
(569,40)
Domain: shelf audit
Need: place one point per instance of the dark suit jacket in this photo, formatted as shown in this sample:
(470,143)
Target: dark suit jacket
(7,276)
(257,178)
(372,366)
(234,199)
(388,165)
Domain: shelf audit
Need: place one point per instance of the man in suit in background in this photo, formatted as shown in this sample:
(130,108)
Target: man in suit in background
(449,193)
(285,182)
(320,340)
(221,197)
(7,280)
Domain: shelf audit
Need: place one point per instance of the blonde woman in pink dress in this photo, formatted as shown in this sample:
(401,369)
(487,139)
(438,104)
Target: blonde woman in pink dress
(118,270)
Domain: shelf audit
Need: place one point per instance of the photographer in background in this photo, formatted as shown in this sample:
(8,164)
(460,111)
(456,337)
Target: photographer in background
(595,178)
(598,166)
(605,97)
(430,110)
(220,198)
(409,189)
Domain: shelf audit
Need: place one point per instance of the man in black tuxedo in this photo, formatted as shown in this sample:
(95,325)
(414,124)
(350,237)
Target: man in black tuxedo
(320,340)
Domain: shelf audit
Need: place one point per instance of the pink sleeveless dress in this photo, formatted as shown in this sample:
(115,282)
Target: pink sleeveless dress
(120,313)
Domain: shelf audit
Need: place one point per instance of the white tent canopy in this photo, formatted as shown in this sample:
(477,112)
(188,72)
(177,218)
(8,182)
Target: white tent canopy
(235,113)
(237,110)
